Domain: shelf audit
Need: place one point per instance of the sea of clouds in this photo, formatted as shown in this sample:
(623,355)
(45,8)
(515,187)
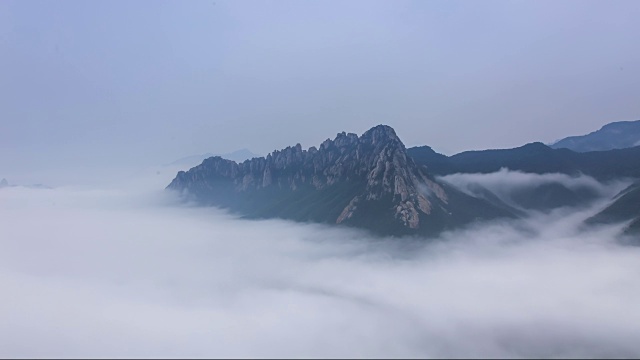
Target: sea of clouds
(132,272)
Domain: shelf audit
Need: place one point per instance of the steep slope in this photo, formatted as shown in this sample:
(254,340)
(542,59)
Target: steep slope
(537,158)
(616,135)
(625,207)
(366,181)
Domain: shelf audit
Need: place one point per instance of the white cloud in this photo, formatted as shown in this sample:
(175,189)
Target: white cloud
(504,183)
(115,273)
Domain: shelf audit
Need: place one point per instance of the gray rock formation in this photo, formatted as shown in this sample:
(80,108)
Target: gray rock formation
(367,181)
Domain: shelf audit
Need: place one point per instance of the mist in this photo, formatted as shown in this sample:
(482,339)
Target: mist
(126,272)
(506,183)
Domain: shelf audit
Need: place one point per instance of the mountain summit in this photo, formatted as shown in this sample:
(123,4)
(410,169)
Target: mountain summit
(367,181)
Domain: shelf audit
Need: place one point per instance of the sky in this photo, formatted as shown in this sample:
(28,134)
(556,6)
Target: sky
(97,96)
(131,272)
(91,86)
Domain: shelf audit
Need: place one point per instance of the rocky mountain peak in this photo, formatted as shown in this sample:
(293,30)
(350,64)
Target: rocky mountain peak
(381,134)
(349,179)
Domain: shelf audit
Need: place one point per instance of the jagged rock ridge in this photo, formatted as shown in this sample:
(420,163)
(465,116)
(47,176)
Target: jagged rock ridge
(367,181)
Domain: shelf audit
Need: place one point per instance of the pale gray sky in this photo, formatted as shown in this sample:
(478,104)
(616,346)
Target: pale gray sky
(88,84)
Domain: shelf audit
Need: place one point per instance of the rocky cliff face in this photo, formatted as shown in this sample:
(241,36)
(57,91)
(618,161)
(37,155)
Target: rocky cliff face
(367,181)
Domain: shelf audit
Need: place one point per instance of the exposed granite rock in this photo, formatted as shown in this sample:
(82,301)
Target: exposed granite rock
(367,181)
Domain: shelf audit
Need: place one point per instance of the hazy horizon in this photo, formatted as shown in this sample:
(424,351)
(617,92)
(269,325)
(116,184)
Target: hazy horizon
(93,85)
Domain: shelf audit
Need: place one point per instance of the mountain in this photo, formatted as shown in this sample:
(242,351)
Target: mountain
(5,184)
(193,160)
(534,158)
(368,182)
(542,195)
(625,207)
(616,135)
(539,159)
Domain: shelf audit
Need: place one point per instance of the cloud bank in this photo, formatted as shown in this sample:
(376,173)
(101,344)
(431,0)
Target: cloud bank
(506,184)
(116,273)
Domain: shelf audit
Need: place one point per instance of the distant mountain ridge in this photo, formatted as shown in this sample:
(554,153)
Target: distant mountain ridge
(368,182)
(615,135)
(534,158)
(538,158)
(4,183)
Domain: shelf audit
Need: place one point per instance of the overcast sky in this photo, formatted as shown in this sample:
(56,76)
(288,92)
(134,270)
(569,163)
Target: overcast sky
(146,82)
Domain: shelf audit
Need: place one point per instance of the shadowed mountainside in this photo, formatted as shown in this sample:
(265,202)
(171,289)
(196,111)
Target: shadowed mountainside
(625,207)
(615,135)
(373,182)
(534,158)
(368,182)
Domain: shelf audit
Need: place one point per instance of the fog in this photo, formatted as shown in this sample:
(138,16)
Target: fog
(505,183)
(125,272)
(505,180)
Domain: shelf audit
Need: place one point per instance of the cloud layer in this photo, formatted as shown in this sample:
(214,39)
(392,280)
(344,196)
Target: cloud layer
(120,273)
(505,184)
